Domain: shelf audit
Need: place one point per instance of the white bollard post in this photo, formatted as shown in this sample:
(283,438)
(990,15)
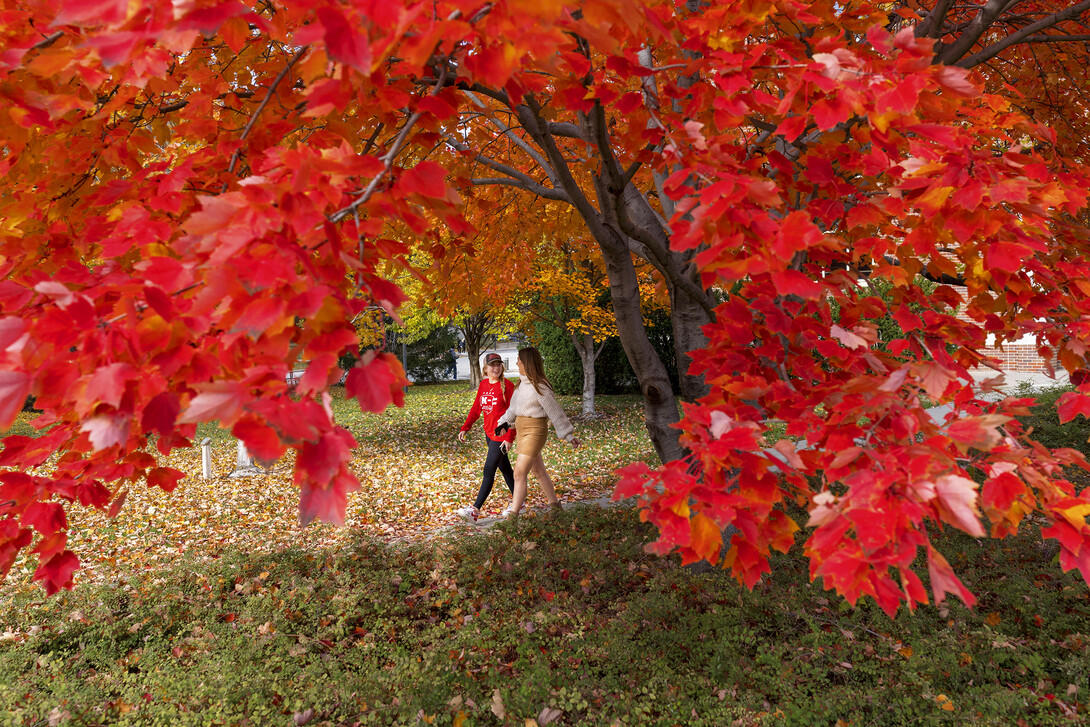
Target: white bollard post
(244,464)
(206,458)
(243,461)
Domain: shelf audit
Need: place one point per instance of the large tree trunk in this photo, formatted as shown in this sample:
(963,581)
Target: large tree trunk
(687,319)
(608,227)
(690,304)
(659,404)
(588,354)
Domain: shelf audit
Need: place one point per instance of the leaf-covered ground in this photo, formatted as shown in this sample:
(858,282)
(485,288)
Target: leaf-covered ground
(414,474)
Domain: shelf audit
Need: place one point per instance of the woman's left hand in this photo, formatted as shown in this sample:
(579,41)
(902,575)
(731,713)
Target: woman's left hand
(575,443)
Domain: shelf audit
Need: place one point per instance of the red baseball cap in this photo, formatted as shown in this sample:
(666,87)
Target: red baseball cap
(492,358)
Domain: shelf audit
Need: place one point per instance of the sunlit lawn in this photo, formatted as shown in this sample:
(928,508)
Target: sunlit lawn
(413,474)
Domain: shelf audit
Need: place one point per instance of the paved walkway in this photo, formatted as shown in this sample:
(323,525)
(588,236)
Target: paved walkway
(1016,378)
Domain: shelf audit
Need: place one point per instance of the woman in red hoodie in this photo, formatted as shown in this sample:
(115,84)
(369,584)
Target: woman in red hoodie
(493,396)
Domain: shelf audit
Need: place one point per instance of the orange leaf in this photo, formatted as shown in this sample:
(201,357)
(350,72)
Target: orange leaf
(706,539)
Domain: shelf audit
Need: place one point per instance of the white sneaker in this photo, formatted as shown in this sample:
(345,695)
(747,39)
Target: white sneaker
(509,511)
(469,513)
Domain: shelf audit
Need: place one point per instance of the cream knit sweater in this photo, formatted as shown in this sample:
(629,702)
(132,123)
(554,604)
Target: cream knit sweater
(527,402)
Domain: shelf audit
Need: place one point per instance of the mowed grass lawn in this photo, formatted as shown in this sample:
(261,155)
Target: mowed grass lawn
(551,619)
(413,472)
(213,608)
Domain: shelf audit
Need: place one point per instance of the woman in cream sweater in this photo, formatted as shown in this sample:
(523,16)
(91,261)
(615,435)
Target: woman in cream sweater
(531,409)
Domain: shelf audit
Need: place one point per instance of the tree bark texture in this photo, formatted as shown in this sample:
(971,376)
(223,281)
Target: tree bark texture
(588,354)
(474,329)
(660,408)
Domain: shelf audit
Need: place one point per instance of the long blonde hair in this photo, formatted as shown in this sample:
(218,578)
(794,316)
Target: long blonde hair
(534,367)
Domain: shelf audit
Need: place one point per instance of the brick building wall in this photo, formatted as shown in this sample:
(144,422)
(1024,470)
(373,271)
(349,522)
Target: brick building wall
(1015,356)
(1020,357)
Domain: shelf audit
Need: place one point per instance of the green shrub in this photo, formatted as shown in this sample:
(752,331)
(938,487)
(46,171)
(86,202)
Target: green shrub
(562,364)
(429,358)
(888,328)
(1045,421)
(613,374)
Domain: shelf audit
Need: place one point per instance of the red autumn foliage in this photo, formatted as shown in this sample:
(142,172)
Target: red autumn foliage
(200,196)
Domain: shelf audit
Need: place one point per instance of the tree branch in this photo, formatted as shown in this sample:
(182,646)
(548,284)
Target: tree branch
(530,118)
(527,186)
(649,89)
(514,178)
(261,107)
(388,158)
(983,20)
(371,139)
(569,131)
(47,41)
(505,130)
(1057,38)
(491,93)
(680,282)
(599,134)
(1024,34)
(931,25)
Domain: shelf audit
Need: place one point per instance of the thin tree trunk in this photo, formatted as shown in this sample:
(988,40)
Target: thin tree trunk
(474,330)
(584,346)
(473,351)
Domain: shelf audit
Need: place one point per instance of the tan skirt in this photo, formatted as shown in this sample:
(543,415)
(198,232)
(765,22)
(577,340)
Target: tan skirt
(532,432)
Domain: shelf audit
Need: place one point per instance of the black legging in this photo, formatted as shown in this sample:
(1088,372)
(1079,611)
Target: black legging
(496,458)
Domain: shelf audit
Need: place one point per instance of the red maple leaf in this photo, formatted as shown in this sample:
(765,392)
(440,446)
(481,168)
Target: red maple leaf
(343,42)
(260,439)
(222,401)
(376,382)
(45,517)
(425,179)
(105,431)
(165,478)
(57,571)
(326,501)
(944,581)
(14,389)
(1072,404)
(106,385)
(92,12)
(160,413)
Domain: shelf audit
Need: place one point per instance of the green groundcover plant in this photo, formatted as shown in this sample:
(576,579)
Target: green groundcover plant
(560,619)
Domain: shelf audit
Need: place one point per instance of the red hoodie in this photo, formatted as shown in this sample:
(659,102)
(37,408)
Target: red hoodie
(492,400)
